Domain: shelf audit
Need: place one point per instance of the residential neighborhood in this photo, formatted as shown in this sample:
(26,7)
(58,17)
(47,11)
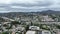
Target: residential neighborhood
(29,16)
(35,24)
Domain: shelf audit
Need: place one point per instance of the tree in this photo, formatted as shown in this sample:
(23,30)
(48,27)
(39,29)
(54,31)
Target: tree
(5,33)
(14,22)
(53,16)
(58,26)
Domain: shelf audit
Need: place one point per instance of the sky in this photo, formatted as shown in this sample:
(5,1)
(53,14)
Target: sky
(28,5)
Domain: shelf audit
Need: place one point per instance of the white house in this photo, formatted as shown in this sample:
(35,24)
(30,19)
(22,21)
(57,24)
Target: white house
(38,32)
(34,28)
(46,32)
(31,32)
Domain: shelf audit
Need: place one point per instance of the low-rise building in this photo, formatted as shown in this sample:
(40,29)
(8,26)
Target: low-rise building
(18,29)
(38,32)
(57,31)
(34,28)
(46,32)
(31,32)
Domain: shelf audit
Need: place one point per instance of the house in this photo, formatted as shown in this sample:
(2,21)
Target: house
(13,32)
(20,30)
(34,28)
(46,32)
(6,24)
(38,32)
(46,18)
(57,31)
(31,32)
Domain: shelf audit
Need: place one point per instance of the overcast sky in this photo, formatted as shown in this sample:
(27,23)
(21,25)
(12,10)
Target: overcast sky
(28,5)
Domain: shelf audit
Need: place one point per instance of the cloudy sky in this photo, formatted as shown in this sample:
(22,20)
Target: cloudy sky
(28,5)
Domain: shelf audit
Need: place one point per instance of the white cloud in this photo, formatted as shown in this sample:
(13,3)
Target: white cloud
(24,1)
(32,4)
(5,1)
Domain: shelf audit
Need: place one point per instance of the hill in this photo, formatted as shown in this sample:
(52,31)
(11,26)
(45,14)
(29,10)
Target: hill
(13,14)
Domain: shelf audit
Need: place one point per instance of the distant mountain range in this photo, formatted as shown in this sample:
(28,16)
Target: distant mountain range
(47,12)
(50,12)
